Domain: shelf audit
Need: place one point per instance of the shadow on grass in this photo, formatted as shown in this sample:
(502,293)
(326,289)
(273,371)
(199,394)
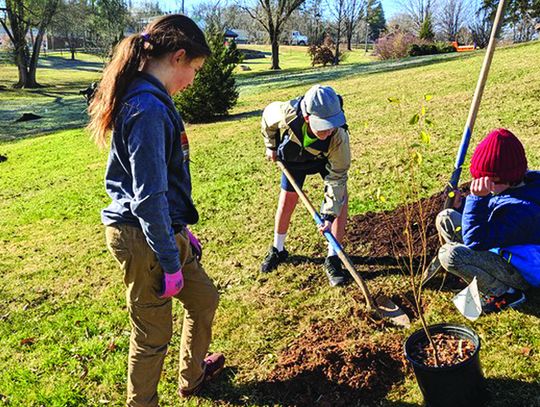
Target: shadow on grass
(389,265)
(57,114)
(64,62)
(510,392)
(308,388)
(297,391)
(532,306)
(237,116)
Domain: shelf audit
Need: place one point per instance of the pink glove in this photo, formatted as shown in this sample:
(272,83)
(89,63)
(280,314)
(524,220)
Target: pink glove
(195,244)
(171,284)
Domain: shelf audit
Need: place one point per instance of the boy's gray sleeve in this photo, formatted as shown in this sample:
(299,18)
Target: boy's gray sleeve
(271,118)
(335,183)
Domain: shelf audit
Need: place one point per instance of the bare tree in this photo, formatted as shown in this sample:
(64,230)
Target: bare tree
(69,23)
(272,15)
(19,17)
(402,22)
(337,10)
(307,19)
(522,19)
(452,16)
(419,11)
(354,11)
(481,27)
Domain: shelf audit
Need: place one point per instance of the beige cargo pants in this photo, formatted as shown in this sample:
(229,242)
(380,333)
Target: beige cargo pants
(151,317)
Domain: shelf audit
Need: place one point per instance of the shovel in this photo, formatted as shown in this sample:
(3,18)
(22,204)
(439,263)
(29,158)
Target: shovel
(383,307)
(435,266)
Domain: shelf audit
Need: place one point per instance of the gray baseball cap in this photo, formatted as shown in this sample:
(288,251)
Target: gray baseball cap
(322,105)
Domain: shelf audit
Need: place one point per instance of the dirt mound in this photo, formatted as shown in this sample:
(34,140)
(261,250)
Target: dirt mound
(336,364)
(380,234)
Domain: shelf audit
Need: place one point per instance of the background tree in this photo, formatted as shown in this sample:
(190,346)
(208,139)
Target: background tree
(452,17)
(214,91)
(426,29)
(419,11)
(225,14)
(19,17)
(309,21)
(521,17)
(211,14)
(107,23)
(355,10)
(376,19)
(402,22)
(337,23)
(70,23)
(481,26)
(272,15)
(139,15)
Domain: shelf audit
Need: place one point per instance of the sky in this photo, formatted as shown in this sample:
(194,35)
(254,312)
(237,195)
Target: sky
(390,7)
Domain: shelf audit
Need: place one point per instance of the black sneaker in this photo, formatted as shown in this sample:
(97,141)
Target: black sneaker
(273,259)
(335,273)
(502,302)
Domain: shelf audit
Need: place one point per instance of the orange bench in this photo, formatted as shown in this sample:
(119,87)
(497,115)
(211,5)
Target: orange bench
(463,48)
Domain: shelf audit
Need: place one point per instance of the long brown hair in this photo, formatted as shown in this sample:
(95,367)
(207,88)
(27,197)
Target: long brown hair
(165,34)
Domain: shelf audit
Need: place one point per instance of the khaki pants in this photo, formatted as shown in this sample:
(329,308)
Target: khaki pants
(493,273)
(151,317)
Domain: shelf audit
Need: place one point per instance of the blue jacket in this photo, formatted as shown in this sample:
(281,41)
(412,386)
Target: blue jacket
(147,174)
(508,224)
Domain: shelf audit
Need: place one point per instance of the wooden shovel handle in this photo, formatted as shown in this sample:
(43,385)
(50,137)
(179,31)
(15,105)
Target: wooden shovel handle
(331,239)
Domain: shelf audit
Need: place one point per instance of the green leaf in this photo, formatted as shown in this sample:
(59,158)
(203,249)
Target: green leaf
(394,100)
(428,121)
(427,98)
(417,157)
(423,110)
(414,119)
(426,137)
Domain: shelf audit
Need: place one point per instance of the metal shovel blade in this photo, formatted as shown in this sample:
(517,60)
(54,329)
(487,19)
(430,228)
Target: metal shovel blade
(389,309)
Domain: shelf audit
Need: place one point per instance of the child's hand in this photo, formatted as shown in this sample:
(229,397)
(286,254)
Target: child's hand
(171,284)
(325,227)
(486,185)
(271,155)
(458,199)
(482,186)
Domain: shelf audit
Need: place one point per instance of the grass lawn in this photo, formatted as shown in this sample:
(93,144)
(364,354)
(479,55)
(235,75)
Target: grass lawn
(63,325)
(58,102)
(292,57)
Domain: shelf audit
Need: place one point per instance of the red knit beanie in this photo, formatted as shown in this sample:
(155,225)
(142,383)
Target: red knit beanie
(501,155)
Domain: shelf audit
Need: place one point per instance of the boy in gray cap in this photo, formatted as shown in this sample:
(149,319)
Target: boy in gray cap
(309,135)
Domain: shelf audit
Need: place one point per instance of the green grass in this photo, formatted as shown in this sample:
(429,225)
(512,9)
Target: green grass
(58,102)
(294,58)
(60,287)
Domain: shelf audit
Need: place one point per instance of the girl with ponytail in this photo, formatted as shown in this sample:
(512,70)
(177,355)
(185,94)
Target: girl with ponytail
(149,183)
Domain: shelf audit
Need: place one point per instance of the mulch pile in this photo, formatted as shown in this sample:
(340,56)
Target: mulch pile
(381,234)
(336,364)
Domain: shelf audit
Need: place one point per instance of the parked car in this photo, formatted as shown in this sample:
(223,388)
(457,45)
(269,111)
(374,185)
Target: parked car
(296,39)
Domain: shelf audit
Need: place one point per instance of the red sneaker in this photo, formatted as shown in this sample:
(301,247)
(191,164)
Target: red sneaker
(214,364)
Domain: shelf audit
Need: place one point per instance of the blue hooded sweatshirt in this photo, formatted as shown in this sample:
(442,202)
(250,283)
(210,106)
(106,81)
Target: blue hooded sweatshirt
(147,174)
(509,225)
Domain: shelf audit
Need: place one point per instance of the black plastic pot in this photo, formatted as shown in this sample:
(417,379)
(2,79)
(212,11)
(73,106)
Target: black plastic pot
(460,385)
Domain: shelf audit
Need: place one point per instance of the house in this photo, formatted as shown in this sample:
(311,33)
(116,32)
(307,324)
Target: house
(242,36)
